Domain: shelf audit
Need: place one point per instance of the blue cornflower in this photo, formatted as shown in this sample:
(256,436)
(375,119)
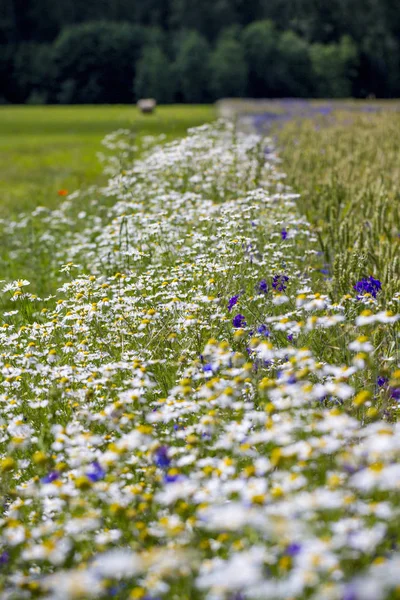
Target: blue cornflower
(52,476)
(381,381)
(239,321)
(96,472)
(232,302)
(262,287)
(293,549)
(395,393)
(161,457)
(284,234)
(263,330)
(351,469)
(368,285)
(323,110)
(4,558)
(279,282)
(116,589)
(208,368)
(350,593)
(172,478)
(290,337)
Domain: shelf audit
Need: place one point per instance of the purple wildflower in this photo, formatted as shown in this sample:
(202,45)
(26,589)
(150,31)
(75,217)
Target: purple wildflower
(232,302)
(293,549)
(262,287)
(279,282)
(381,381)
(239,321)
(172,478)
(351,469)
(161,457)
(395,393)
(368,285)
(284,234)
(95,472)
(350,593)
(52,476)
(4,558)
(263,330)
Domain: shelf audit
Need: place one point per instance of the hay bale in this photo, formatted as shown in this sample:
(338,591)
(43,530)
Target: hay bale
(147,105)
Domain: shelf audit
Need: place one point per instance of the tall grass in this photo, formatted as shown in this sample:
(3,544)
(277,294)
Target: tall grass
(347,168)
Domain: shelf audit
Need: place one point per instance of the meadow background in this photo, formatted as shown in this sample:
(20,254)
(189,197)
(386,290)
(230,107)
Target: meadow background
(44,150)
(199,317)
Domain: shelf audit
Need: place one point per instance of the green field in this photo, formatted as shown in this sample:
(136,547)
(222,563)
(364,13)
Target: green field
(45,149)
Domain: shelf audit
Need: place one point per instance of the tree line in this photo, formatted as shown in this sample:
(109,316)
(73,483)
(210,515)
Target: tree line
(116,51)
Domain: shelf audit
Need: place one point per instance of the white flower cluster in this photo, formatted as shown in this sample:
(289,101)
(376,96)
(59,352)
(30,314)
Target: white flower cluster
(193,415)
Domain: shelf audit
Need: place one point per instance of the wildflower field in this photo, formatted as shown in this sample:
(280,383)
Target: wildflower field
(201,377)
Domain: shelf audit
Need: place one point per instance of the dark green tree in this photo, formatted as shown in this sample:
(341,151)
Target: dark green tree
(334,67)
(33,72)
(293,68)
(96,57)
(260,42)
(228,68)
(8,91)
(378,74)
(8,26)
(208,17)
(154,76)
(192,68)
(95,62)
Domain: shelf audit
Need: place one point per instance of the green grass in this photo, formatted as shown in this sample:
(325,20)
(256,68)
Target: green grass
(44,149)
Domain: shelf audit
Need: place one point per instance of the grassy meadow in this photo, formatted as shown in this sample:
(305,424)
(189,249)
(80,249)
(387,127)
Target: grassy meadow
(45,149)
(200,367)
